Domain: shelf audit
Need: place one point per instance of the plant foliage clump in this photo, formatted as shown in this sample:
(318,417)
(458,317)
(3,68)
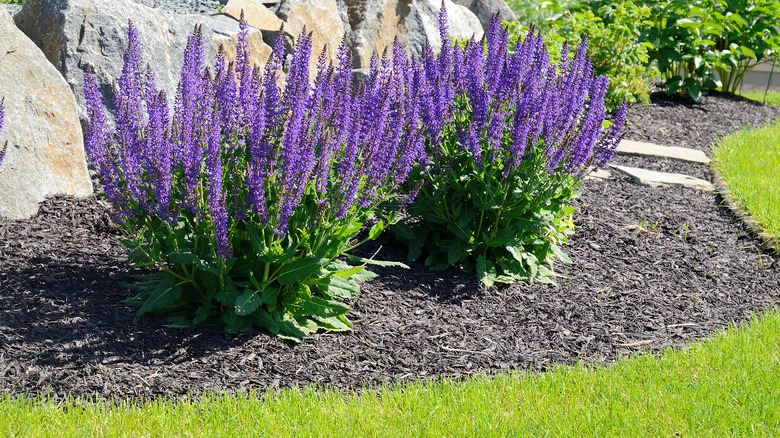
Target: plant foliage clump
(245,197)
(509,137)
(694,39)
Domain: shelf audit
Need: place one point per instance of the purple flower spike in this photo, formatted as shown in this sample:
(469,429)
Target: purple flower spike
(2,118)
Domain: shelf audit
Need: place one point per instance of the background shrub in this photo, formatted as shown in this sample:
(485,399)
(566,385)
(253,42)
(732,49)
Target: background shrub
(694,39)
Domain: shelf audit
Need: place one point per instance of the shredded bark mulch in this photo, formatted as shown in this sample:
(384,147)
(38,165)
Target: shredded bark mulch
(653,269)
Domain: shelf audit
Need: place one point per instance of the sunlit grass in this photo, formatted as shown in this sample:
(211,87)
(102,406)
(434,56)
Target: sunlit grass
(771,98)
(726,386)
(748,162)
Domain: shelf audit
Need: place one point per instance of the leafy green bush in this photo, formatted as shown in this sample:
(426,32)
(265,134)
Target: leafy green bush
(510,136)
(694,39)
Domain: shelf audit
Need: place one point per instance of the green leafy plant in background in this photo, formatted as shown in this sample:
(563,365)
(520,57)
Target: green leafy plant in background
(751,36)
(615,47)
(694,39)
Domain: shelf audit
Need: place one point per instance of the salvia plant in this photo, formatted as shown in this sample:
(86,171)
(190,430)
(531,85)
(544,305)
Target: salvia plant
(510,135)
(2,118)
(247,197)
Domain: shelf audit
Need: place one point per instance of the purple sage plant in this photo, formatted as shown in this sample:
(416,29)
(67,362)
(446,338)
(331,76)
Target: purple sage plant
(509,135)
(245,195)
(2,119)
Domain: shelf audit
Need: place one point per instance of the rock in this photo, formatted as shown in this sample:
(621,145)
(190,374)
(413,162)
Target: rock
(651,178)
(421,23)
(72,33)
(45,153)
(326,19)
(630,147)
(255,13)
(484,10)
(374,24)
(599,175)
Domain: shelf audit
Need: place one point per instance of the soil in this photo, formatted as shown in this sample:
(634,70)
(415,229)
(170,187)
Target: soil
(652,269)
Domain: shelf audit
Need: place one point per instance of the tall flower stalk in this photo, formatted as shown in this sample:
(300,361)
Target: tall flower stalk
(2,119)
(246,195)
(510,135)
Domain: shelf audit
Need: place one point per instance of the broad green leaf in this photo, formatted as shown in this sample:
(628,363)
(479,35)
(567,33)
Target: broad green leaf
(225,295)
(247,302)
(339,287)
(335,324)
(486,271)
(559,254)
(323,308)
(455,252)
(299,270)
(183,257)
(201,314)
(258,245)
(515,247)
(234,323)
(463,233)
(166,292)
(364,275)
(270,294)
(402,230)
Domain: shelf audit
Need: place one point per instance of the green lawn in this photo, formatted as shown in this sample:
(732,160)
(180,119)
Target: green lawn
(726,386)
(749,161)
(772,97)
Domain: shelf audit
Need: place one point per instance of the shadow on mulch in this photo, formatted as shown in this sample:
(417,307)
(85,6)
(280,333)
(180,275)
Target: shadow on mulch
(653,268)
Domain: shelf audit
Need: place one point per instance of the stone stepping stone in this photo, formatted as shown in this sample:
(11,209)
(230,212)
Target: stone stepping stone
(599,175)
(651,178)
(631,147)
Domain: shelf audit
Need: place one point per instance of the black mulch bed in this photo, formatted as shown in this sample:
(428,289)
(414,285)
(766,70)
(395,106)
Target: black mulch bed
(653,268)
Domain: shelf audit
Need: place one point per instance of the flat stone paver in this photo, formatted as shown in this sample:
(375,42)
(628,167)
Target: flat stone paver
(599,174)
(631,147)
(651,178)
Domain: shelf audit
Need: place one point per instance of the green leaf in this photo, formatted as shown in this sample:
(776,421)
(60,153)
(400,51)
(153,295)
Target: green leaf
(247,302)
(226,295)
(166,292)
(486,271)
(323,308)
(376,230)
(234,323)
(462,232)
(357,259)
(339,287)
(201,314)
(270,294)
(258,245)
(336,323)
(559,254)
(515,247)
(183,257)
(455,252)
(299,270)
(402,230)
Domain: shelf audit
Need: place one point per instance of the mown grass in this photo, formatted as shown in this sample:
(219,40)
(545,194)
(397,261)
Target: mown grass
(771,98)
(748,162)
(726,386)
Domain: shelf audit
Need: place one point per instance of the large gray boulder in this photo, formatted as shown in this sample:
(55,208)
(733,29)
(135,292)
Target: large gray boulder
(484,10)
(45,153)
(374,24)
(73,33)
